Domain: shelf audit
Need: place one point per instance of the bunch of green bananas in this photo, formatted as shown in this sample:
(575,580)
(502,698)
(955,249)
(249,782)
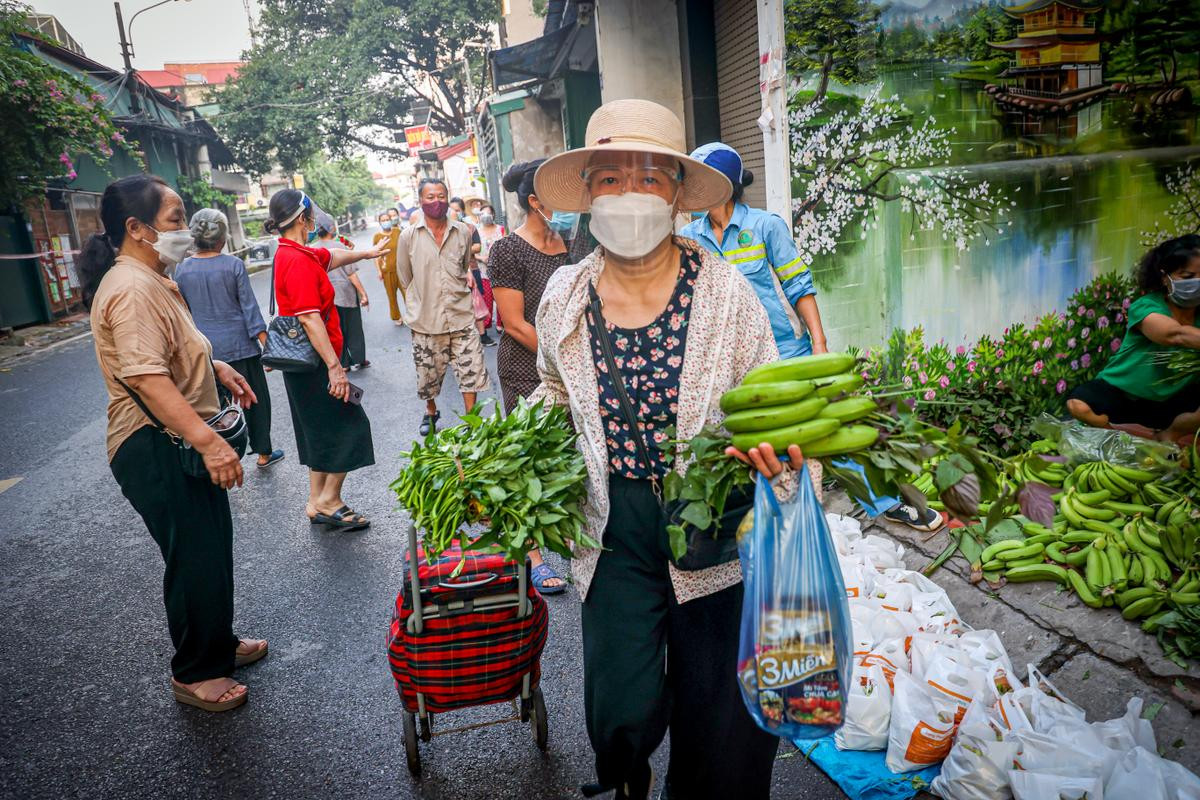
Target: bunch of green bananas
(1037,470)
(1118,539)
(807,401)
(1121,481)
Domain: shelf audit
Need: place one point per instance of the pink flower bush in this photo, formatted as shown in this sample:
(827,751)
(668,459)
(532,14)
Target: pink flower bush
(1012,378)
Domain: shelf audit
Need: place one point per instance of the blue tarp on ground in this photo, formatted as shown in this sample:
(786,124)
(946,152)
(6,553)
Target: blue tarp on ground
(863,775)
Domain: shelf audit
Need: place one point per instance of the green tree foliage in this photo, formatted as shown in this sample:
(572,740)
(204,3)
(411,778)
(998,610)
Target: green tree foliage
(835,38)
(335,75)
(1148,39)
(963,37)
(51,118)
(343,185)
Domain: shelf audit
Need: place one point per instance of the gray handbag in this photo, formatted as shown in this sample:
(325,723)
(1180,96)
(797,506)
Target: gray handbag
(288,348)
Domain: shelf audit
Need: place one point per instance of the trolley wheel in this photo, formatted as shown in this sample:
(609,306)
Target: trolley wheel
(410,744)
(537,719)
(426,727)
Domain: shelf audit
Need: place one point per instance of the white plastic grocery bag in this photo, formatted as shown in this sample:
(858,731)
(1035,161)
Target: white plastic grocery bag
(922,725)
(978,764)
(868,711)
(890,655)
(1042,786)
(1139,776)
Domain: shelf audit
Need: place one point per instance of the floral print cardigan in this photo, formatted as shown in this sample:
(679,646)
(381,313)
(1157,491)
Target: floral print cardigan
(728,335)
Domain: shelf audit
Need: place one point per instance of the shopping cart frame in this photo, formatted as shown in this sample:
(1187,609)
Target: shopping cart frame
(532,707)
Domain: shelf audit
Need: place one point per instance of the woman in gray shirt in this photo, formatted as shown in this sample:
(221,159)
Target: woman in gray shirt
(348,295)
(217,289)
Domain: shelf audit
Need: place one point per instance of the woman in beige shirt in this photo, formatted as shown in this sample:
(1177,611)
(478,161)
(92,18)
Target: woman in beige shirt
(147,343)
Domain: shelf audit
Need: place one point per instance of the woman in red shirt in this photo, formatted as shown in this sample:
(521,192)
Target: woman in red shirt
(333,436)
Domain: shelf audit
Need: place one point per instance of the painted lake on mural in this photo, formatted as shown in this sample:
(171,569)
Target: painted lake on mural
(1085,187)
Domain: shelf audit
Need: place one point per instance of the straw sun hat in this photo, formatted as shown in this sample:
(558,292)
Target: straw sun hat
(623,126)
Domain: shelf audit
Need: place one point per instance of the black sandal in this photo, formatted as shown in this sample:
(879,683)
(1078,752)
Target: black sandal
(343,518)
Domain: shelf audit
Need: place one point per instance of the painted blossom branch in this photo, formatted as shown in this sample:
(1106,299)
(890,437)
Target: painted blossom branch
(856,160)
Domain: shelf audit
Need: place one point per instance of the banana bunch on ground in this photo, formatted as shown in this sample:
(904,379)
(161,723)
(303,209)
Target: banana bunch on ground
(1120,539)
(808,401)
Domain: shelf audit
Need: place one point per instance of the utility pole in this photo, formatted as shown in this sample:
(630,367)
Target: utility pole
(250,23)
(126,53)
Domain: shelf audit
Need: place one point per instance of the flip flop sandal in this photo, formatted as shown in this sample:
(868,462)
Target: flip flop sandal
(542,573)
(187,697)
(242,659)
(343,518)
(275,457)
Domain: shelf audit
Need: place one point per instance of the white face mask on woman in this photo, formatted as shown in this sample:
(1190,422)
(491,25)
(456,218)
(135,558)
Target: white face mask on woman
(173,246)
(630,225)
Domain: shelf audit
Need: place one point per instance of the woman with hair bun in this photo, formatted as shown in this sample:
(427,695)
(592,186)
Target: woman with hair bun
(1134,388)
(333,435)
(216,287)
(155,361)
(519,265)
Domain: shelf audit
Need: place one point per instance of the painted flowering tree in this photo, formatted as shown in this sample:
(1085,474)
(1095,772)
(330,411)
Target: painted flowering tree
(50,117)
(1183,216)
(854,159)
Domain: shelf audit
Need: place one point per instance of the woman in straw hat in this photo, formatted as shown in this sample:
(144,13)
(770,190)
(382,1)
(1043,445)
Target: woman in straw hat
(680,327)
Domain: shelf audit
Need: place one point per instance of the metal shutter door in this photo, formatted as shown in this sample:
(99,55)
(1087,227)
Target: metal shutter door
(737,89)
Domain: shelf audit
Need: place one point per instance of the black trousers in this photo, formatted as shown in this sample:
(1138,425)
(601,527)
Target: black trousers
(189,519)
(652,664)
(354,341)
(258,416)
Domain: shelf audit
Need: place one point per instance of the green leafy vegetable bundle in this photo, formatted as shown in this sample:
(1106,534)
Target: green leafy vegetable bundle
(519,477)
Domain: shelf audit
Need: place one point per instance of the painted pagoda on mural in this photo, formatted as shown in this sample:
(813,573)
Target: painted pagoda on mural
(1056,64)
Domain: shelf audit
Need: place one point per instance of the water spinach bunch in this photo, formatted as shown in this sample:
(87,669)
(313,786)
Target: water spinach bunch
(516,480)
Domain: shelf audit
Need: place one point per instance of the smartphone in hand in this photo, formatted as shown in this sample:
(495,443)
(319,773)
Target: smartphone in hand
(355,396)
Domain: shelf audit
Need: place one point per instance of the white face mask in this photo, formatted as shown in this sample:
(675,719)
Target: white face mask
(630,225)
(173,246)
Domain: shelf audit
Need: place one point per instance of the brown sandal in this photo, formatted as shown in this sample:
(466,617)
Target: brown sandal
(187,697)
(242,659)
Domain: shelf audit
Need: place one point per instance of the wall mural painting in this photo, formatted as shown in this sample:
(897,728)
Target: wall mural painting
(965,166)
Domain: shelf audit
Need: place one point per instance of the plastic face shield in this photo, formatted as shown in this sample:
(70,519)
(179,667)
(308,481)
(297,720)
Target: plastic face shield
(642,173)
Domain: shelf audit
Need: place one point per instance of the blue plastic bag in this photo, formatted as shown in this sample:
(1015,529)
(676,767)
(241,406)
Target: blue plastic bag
(795,647)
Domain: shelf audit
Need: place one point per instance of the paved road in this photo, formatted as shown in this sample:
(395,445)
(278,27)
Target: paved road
(85,709)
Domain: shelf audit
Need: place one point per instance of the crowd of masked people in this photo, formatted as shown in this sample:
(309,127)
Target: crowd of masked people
(688,289)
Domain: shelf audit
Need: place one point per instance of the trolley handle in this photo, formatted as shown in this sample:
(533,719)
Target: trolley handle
(487,578)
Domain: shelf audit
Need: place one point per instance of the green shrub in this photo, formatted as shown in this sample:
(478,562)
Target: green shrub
(999,386)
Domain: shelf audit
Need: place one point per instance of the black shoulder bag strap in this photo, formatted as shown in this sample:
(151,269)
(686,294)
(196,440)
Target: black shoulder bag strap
(221,401)
(272,300)
(600,331)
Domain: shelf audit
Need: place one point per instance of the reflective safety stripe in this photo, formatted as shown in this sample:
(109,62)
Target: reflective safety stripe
(746,259)
(746,254)
(791,269)
(759,248)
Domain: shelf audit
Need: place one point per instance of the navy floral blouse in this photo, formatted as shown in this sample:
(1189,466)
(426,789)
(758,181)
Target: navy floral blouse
(650,360)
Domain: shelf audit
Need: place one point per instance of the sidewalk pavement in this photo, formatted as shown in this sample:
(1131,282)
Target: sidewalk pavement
(24,342)
(1093,656)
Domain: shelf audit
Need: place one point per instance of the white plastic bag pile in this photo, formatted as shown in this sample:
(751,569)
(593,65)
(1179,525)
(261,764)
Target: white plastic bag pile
(928,688)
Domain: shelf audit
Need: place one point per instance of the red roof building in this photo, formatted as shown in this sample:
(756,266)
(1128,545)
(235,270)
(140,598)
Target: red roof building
(191,81)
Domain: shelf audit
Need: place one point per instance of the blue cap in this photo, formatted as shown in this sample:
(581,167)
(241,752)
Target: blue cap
(721,157)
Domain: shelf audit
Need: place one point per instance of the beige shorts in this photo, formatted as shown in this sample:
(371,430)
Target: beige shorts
(462,350)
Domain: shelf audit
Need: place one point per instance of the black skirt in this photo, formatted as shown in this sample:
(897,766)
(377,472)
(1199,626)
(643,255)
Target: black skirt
(331,436)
